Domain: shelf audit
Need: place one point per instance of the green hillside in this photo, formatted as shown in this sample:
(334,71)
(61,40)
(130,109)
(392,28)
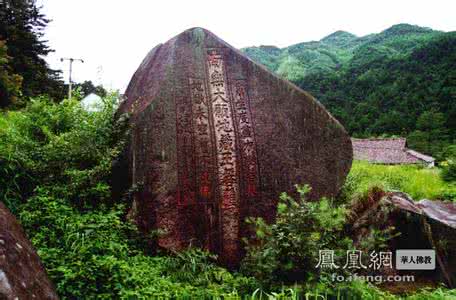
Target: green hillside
(401,81)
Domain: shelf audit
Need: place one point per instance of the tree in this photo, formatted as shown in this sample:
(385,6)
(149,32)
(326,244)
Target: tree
(87,88)
(10,83)
(22,25)
(431,134)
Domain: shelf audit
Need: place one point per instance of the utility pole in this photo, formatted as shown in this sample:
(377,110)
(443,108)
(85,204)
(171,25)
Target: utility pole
(71,60)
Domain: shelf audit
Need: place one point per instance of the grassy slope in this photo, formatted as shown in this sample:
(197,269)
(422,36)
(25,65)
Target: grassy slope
(418,182)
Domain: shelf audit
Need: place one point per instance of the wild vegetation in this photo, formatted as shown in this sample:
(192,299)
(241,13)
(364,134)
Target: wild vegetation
(288,250)
(55,168)
(55,174)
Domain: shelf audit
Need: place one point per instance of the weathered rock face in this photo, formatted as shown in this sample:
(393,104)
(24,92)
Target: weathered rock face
(423,224)
(217,138)
(21,274)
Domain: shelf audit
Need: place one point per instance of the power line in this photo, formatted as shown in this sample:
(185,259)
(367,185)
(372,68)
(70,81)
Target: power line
(71,60)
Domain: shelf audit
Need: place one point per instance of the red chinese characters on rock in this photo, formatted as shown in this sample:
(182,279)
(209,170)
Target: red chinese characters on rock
(227,160)
(186,194)
(224,130)
(202,135)
(249,164)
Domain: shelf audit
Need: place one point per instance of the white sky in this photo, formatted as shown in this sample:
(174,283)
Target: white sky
(113,36)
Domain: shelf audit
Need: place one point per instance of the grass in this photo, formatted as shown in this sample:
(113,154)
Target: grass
(416,181)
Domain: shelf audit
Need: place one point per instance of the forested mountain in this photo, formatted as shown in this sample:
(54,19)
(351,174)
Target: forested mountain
(401,81)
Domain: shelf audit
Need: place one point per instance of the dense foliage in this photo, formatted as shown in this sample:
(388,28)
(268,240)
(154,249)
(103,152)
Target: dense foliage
(21,27)
(55,170)
(401,81)
(288,250)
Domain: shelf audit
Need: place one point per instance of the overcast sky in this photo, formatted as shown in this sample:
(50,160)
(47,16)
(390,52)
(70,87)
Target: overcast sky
(113,36)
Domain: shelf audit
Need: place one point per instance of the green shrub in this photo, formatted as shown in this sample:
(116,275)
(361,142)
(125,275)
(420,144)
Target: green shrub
(288,250)
(60,147)
(433,294)
(96,254)
(449,166)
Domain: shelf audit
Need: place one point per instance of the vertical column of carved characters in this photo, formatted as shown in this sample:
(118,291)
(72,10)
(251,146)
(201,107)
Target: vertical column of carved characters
(202,137)
(247,146)
(226,154)
(132,154)
(186,193)
(203,163)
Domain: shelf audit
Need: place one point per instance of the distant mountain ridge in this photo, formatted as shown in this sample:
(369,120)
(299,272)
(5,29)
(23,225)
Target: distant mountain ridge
(299,60)
(401,81)
(339,38)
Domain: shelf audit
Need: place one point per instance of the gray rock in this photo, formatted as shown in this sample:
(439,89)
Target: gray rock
(22,275)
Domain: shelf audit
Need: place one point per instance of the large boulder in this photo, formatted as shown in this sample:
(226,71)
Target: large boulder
(21,274)
(216,138)
(423,224)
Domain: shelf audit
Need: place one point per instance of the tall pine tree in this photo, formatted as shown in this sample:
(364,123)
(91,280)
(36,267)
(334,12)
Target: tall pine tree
(22,26)
(10,83)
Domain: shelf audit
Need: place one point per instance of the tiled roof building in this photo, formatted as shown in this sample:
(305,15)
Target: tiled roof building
(390,151)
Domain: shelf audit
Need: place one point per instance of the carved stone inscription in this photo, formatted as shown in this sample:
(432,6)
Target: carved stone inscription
(210,149)
(203,142)
(217,150)
(224,131)
(227,161)
(184,141)
(249,166)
